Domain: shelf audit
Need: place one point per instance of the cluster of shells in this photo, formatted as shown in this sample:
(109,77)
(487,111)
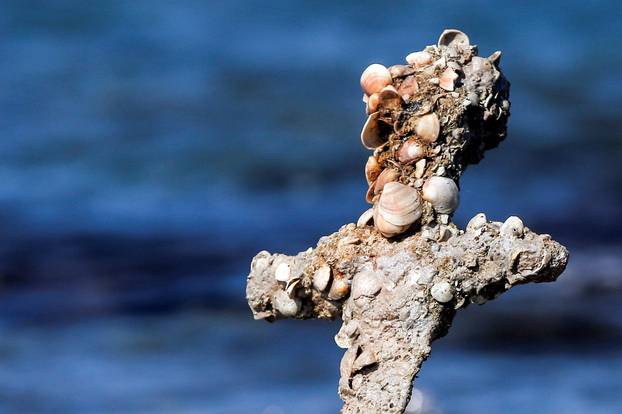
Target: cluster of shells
(427,120)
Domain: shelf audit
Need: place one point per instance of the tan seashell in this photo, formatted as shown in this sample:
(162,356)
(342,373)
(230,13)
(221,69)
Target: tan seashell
(389,98)
(371,192)
(453,38)
(321,278)
(420,168)
(386,176)
(447,80)
(374,78)
(366,283)
(409,87)
(339,289)
(419,59)
(372,169)
(442,193)
(365,218)
(372,103)
(374,132)
(397,209)
(411,151)
(428,127)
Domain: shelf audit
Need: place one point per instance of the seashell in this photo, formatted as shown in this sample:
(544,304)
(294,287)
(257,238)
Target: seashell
(365,218)
(409,87)
(478,221)
(428,127)
(442,292)
(374,78)
(420,168)
(495,58)
(397,209)
(365,359)
(447,80)
(453,38)
(285,305)
(442,193)
(374,132)
(292,286)
(411,151)
(339,289)
(389,98)
(366,283)
(419,59)
(372,169)
(386,176)
(282,272)
(371,192)
(321,278)
(372,103)
(512,227)
(346,335)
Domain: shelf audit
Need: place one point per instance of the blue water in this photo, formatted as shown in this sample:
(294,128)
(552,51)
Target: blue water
(150,148)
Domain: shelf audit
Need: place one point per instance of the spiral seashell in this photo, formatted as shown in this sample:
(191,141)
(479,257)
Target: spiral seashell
(453,38)
(397,209)
(374,78)
(411,151)
(512,227)
(442,193)
(386,176)
(419,59)
(428,127)
(374,132)
(372,169)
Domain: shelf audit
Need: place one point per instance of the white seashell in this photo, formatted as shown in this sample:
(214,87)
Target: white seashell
(442,193)
(453,38)
(411,151)
(419,59)
(346,335)
(397,209)
(442,292)
(282,272)
(447,80)
(512,227)
(420,168)
(372,169)
(374,132)
(495,58)
(365,218)
(478,221)
(339,289)
(374,78)
(292,286)
(428,127)
(366,283)
(321,278)
(261,261)
(285,305)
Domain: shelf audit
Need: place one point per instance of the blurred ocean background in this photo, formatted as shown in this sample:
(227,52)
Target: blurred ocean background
(150,148)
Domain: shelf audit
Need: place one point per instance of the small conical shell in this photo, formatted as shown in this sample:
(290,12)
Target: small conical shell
(411,151)
(453,38)
(442,193)
(374,78)
(374,132)
(428,127)
(419,59)
(386,176)
(372,169)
